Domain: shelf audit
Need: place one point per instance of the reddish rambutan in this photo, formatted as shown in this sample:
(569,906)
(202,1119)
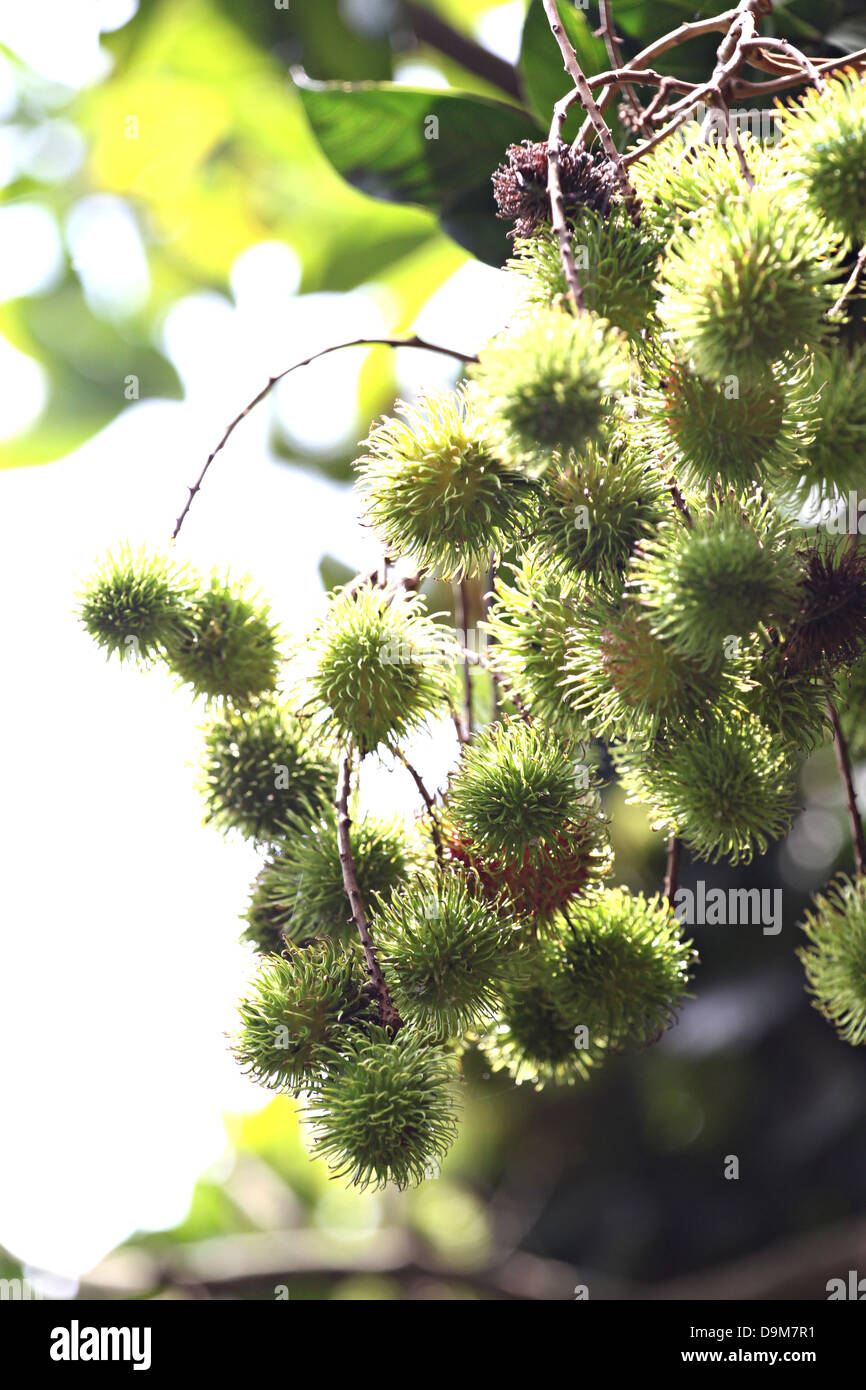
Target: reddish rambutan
(542,879)
(520,184)
(830,627)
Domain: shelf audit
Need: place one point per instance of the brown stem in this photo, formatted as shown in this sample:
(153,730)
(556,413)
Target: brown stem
(850,283)
(587,100)
(389,1015)
(613,44)
(414,341)
(844,762)
(426,798)
(558,219)
(672,869)
(463,624)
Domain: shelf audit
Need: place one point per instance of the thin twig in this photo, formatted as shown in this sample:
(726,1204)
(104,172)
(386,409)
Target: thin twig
(844,761)
(414,341)
(558,219)
(426,798)
(850,284)
(587,100)
(613,43)
(462,597)
(389,1015)
(672,869)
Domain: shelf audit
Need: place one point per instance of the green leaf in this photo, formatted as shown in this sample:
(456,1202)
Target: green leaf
(540,65)
(433,148)
(95,370)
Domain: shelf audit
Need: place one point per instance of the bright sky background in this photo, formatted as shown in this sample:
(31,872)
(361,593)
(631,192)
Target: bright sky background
(119,960)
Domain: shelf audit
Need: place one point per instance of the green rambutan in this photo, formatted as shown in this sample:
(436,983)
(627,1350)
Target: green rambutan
(718,576)
(529,622)
(387,1113)
(617,261)
(435,491)
(135,605)
(835,960)
(300,894)
(726,787)
(301,1013)
(684,175)
(747,285)
(594,509)
(518,787)
(739,433)
(446,952)
(824,148)
(623,680)
(381,666)
(229,648)
(623,966)
(535,1039)
(259,769)
(547,383)
(834,461)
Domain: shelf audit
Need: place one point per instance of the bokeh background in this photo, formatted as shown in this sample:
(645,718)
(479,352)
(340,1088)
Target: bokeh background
(171,234)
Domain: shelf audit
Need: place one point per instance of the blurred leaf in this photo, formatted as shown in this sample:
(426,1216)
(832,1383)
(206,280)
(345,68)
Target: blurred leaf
(333,573)
(434,148)
(89,363)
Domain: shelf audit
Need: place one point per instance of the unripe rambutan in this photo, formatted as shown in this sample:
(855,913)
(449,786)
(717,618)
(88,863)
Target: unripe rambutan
(300,894)
(436,492)
(535,1040)
(381,667)
(387,1113)
(135,605)
(623,680)
(529,622)
(824,147)
(725,787)
(739,433)
(595,507)
(546,384)
(748,285)
(229,647)
(518,787)
(445,951)
(791,704)
(835,461)
(732,568)
(300,1014)
(617,262)
(623,966)
(835,960)
(684,175)
(259,769)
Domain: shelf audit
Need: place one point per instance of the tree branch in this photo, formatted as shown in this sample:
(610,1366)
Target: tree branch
(429,28)
(390,1017)
(587,100)
(613,44)
(413,342)
(850,284)
(462,596)
(672,869)
(844,761)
